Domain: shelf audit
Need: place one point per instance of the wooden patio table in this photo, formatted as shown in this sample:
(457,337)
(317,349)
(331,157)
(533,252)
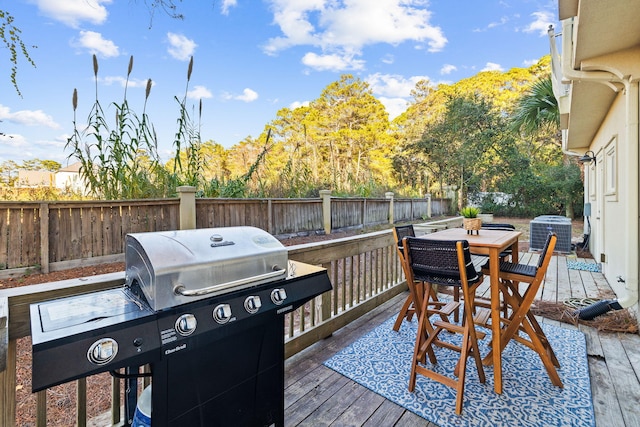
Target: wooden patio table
(491,243)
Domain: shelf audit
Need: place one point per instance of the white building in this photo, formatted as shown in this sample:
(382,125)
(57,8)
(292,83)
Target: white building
(69,179)
(596,84)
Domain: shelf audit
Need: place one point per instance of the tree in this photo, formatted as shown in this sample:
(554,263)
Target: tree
(537,113)
(37,164)
(351,131)
(463,147)
(11,37)
(8,173)
(538,109)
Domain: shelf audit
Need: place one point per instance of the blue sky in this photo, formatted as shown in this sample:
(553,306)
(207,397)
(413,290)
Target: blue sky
(251,58)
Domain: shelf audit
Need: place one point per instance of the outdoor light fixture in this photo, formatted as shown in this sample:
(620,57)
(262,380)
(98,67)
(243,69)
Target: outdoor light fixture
(588,157)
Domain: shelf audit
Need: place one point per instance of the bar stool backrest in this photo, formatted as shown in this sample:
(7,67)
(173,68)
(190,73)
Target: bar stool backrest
(545,249)
(498,226)
(402,231)
(436,261)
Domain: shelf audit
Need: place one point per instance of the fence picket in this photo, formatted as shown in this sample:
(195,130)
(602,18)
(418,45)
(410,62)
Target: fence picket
(80,232)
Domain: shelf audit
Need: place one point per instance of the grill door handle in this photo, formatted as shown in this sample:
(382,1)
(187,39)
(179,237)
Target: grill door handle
(182,290)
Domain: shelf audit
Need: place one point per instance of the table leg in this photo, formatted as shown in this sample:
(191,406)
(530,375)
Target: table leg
(515,254)
(494,269)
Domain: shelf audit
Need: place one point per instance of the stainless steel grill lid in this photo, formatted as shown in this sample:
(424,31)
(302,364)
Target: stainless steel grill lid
(177,267)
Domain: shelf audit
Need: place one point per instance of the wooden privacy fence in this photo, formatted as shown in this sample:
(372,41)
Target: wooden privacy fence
(364,271)
(51,236)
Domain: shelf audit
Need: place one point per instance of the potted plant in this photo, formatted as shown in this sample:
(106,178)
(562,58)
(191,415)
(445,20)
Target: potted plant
(471,221)
(485,217)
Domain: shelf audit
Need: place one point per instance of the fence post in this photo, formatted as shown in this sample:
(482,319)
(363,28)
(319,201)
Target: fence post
(269,216)
(428,205)
(187,195)
(44,237)
(326,210)
(389,196)
(364,212)
(4,332)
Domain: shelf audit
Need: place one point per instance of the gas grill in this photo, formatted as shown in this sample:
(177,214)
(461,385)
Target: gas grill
(204,308)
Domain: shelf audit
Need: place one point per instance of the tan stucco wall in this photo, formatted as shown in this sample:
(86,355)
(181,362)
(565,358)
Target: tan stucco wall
(610,218)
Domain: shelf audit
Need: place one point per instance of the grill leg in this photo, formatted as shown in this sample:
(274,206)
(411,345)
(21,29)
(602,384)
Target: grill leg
(130,394)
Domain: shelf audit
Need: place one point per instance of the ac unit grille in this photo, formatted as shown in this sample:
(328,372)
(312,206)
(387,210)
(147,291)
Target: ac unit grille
(540,227)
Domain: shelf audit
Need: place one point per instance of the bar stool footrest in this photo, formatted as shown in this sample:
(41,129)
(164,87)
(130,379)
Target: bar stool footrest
(446,309)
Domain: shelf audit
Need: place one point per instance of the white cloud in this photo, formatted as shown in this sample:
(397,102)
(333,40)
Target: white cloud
(500,23)
(28,117)
(122,81)
(16,146)
(94,43)
(333,62)
(394,106)
(248,95)
(492,66)
(199,92)
(388,59)
(342,29)
(448,69)
(393,91)
(529,62)
(541,23)
(73,12)
(180,47)
(393,85)
(8,141)
(298,104)
(227,4)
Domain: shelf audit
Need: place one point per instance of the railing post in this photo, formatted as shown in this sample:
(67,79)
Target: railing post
(269,216)
(7,369)
(8,388)
(389,196)
(44,237)
(326,210)
(187,195)
(4,332)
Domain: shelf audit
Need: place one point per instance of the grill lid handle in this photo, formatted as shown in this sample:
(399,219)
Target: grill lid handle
(180,289)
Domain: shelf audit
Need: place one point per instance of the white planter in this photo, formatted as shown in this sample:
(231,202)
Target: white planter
(486,217)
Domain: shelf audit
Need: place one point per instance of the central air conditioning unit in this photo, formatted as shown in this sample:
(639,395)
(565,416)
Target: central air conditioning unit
(540,227)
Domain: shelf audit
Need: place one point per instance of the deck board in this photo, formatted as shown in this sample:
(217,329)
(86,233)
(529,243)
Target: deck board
(318,396)
(625,382)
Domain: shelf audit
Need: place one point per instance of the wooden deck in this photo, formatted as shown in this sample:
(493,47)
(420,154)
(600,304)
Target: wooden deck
(318,396)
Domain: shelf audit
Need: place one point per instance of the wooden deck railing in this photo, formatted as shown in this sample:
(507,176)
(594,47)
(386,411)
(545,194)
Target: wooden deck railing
(364,271)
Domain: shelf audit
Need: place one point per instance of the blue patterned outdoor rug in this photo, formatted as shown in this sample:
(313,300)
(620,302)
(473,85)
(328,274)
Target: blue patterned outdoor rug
(585,266)
(381,361)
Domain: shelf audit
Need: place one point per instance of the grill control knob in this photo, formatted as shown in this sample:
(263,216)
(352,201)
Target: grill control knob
(252,304)
(102,351)
(278,296)
(222,313)
(186,324)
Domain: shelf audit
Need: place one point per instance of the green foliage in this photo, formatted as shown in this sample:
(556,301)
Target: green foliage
(469,212)
(537,109)
(11,38)
(238,187)
(463,147)
(188,137)
(119,161)
(454,139)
